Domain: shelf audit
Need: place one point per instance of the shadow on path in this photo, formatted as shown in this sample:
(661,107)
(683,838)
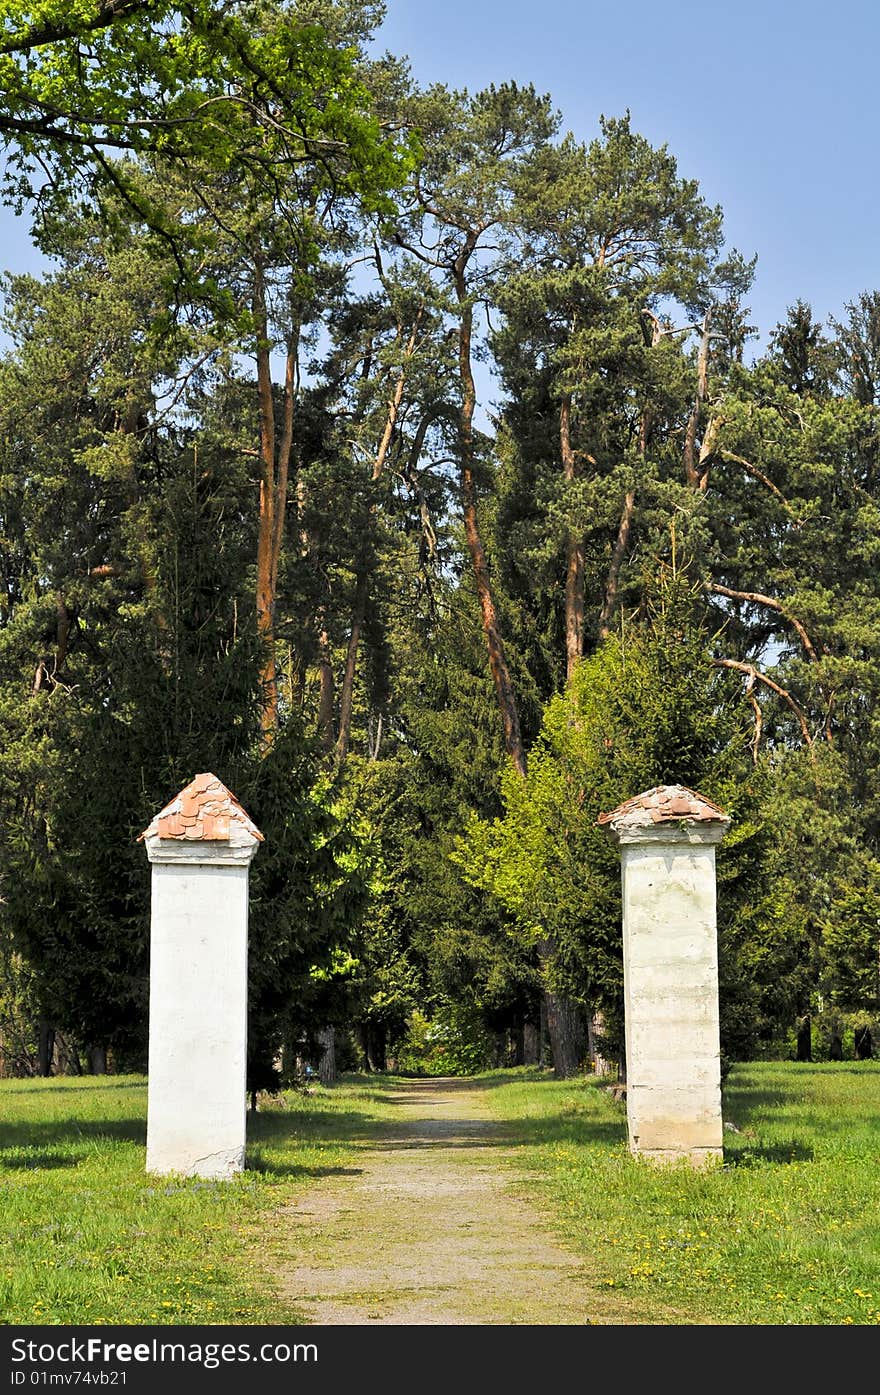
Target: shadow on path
(440,1113)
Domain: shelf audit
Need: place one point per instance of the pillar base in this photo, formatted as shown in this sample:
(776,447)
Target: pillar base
(696,1157)
(219,1166)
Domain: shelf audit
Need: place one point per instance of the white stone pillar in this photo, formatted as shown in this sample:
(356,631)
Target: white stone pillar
(667,840)
(200,847)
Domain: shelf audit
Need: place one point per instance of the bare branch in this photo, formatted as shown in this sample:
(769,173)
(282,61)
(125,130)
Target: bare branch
(755,676)
(759,726)
(181,384)
(693,475)
(396,398)
(757,598)
(707,448)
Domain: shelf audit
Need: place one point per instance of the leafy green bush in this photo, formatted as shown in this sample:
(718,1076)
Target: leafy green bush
(452,1042)
(650,707)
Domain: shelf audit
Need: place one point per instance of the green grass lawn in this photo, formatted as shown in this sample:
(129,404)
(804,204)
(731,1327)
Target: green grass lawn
(87,1237)
(787,1231)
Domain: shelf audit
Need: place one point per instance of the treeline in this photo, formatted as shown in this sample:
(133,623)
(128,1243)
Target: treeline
(405,460)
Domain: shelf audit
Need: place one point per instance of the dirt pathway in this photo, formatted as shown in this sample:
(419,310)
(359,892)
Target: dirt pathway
(429,1229)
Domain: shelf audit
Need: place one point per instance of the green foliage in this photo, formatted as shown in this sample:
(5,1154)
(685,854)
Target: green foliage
(257,191)
(649,708)
(255,87)
(307,895)
(127,563)
(850,940)
(452,1041)
(610,252)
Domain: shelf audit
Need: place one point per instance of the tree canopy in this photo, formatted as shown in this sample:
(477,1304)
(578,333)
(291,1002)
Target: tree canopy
(409,461)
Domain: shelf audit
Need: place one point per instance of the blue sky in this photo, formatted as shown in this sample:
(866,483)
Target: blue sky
(774,107)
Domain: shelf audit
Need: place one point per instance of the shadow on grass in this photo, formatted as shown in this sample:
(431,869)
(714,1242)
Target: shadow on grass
(44,1133)
(805,1070)
(267,1168)
(50,1087)
(34,1162)
(312,1126)
(801,1105)
(752,1154)
(524,1133)
(378,1086)
(300,1125)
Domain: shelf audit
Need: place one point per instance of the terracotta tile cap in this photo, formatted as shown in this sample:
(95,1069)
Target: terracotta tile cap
(666,804)
(205,811)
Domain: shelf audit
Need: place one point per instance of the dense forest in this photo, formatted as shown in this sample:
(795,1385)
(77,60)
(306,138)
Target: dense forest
(409,462)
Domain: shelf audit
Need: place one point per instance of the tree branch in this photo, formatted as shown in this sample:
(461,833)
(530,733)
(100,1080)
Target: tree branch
(691,470)
(757,598)
(109,11)
(759,726)
(755,676)
(763,479)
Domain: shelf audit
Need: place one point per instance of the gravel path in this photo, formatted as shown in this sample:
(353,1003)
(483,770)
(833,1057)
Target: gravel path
(429,1228)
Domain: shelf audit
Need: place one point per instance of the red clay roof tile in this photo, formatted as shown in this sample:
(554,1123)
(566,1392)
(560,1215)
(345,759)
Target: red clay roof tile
(668,803)
(204,811)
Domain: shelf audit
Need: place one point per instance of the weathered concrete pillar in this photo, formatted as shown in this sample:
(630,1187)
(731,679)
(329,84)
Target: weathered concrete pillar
(200,847)
(667,840)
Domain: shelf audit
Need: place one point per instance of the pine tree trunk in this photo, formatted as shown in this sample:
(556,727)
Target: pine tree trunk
(380,1048)
(497,662)
(326,700)
(274,455)
(566,1030)
(621,1064)
(98,1060)
(46,1047)
(531,1044)
(268,501)
(692,471)
(563,1017)
(346,701)
(327,1064)
(574,553)
(804,1050)
(364,1034)
(595,1029)
(612,584)
(359,609)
